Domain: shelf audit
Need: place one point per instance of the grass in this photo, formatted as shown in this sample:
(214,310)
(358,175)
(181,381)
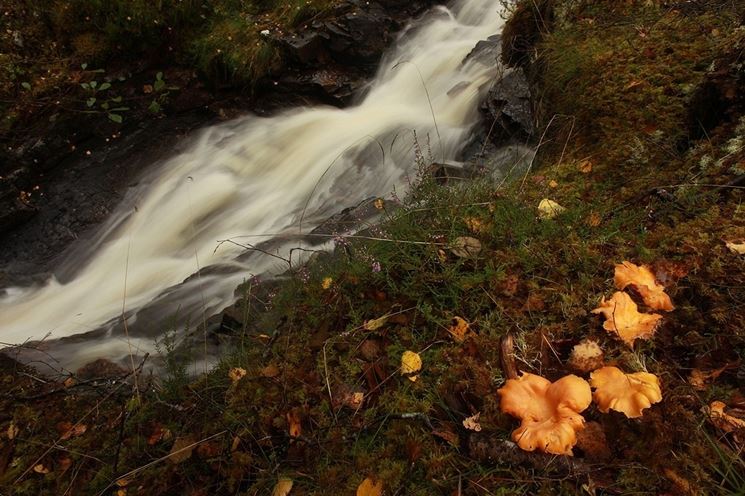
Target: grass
(536,279)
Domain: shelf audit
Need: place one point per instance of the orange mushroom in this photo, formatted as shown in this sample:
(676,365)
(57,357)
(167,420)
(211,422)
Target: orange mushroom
(550,412)
(645,282)
(625,393)
(623,318)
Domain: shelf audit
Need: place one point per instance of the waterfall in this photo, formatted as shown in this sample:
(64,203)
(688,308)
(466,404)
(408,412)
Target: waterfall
(259,176)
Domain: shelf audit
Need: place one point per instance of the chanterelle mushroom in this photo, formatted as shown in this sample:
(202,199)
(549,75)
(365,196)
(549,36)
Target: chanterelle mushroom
(623,318)
(625,393)
(645,282)
(550,413)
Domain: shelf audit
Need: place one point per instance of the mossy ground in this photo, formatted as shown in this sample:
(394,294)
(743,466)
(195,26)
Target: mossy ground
(639,183)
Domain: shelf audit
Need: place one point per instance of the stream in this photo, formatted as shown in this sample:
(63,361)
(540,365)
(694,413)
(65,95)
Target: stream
(255,180)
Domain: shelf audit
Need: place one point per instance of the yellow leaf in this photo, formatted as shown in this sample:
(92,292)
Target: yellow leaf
(411,363)
(368,487)
(472,423)
(623,318)
(459,329)
(548,209)
(326,284)
(236,374)
(283,487)
(41,469)
(375,324)
(553,184)
(738,248)
(474,225)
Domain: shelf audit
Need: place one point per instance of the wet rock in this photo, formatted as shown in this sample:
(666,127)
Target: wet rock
(15,207)
(100,369)
(508,108)
(486,51)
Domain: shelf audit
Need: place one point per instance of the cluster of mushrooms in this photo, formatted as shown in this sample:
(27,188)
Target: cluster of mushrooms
(551,413)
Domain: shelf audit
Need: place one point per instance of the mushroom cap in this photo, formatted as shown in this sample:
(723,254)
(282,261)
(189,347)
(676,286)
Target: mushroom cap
(550,412)
(623,317)
(645,282)
(625,393)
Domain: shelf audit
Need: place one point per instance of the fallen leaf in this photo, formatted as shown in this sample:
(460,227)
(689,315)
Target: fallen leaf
(449,436)
(283,487)
(147,89)
(474,225)
(270,371)
(645,282)
(236,374)
(585,167)
(411,363)
(594,220)
(67,430)
(159,434)
(723,420)
(63,465)
(12,430)
(41,469)
(375,324)
(553,184)
(326,283)
(623,318)
(69,382)
(441,255)
(472,423)
(625,393)
(548,209)
(633,84)
(466,247)
(235,444)
(182,449)
(738,248)
(683,485)
(379,203)
(294,426)
(510,285)
(699,378)
(369,487)
(460,329)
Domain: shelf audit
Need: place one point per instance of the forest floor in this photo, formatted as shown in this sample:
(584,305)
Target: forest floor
(641,141)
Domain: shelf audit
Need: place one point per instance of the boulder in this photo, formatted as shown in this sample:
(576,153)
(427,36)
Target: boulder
(508,108)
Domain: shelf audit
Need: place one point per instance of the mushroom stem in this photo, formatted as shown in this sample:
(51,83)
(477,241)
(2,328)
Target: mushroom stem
(507,356)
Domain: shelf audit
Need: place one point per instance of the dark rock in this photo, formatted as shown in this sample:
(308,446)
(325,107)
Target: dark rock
(508,108)
(486,51)
(15,203)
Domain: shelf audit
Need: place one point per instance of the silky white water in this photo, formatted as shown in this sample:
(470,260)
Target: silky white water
(254,176)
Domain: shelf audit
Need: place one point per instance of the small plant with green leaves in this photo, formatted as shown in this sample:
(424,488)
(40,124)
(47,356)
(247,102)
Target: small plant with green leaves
(99,98)
(161,91)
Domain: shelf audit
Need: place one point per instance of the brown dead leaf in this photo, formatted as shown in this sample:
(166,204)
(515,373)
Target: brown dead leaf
(236,374)
(449,436)
(594,220)
(466,247)
(270,371)
(294,423)
(41,469)
(12,431)
(67,430)
(181,450)
(63,464)
(209,449)
(159,434)
(633,84)
(623,319)
(510,285)
(460,329)
(553,184)
(699,378)
(69,382)
(723,420)
(147,89)
(585,167)
(370,487)
(682,484)
(472,423)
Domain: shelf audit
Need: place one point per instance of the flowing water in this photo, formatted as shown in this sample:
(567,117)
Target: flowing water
(255,176)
